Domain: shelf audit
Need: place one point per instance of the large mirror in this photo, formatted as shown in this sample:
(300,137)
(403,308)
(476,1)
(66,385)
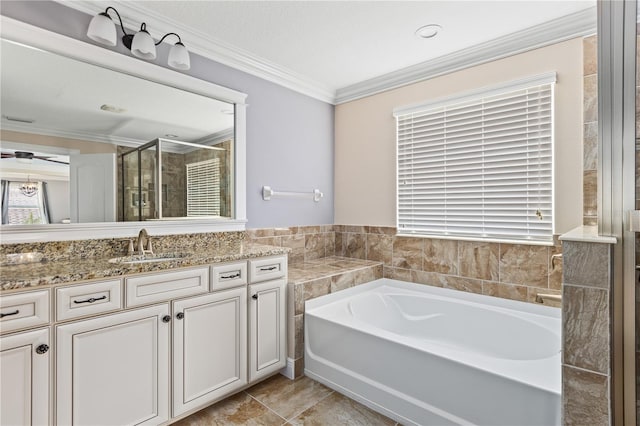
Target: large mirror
(87,143)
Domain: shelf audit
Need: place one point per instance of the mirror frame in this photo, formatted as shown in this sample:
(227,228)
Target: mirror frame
(29,35)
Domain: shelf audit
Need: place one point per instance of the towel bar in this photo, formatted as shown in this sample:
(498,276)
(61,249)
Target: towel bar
(268,193)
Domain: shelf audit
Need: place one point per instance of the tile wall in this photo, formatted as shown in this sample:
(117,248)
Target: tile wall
(306,242)
(590,131)
(511,271)
(586,349)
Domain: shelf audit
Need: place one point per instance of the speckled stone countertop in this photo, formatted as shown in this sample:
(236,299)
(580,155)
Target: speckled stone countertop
(29,275)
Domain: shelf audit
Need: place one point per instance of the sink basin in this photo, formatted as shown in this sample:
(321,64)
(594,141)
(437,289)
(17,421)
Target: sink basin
(148,258)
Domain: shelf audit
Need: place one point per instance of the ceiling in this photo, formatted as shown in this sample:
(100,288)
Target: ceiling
(331,48)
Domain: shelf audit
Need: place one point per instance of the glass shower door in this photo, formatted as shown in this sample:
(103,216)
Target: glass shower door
(147,201)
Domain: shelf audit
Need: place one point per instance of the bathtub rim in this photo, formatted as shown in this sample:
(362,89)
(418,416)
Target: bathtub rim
(535,309)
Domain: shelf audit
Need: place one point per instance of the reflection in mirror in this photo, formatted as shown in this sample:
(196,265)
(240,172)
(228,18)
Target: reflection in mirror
(190,184)
(67,125)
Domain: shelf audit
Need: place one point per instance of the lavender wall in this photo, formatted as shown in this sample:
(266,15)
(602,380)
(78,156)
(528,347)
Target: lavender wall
(289,135)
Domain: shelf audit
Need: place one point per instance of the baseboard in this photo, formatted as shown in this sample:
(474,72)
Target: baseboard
(289,370)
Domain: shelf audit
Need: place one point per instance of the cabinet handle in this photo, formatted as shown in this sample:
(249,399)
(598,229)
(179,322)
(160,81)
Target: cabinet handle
(16,312)
(255,296)
(270,268)
(42,349)
(180,315)
(90,300)
(228,277)
(166,318)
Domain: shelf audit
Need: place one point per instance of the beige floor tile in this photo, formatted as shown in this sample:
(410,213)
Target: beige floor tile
(337,409)
(289,398)
(239,409)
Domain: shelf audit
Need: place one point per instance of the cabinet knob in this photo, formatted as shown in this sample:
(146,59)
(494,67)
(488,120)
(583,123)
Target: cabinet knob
(166,318)
(42,349)
(180,315)
(255,296)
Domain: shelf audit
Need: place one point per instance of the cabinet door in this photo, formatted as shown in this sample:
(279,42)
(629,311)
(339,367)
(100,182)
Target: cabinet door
(24,368)
(267,332)
(114,369)
(210,348)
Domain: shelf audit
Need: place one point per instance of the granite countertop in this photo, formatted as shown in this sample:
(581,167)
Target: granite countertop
(35,274)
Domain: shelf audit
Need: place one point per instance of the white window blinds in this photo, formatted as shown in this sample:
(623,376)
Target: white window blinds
(479,166)
(203,188)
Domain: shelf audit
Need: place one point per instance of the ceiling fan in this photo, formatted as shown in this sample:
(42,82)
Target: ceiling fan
(27,157)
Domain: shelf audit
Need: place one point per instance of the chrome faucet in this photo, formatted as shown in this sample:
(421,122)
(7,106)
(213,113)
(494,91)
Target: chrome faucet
(144,242)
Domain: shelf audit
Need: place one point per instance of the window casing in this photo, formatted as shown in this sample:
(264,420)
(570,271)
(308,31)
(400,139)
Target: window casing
(479,165)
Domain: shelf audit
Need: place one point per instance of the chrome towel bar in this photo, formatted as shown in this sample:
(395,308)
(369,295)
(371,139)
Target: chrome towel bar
(268,193)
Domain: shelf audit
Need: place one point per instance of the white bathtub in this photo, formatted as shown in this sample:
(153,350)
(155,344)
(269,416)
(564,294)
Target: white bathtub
(431,356)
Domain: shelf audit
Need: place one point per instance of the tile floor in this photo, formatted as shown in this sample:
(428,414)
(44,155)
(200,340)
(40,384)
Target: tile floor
(280,401)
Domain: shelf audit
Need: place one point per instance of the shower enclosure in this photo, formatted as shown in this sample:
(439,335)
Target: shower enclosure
(170,179)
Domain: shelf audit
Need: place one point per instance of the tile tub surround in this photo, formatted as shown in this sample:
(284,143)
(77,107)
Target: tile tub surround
(280,401)
(306,242)
(586,314)
(86,260)
(511,271)
(316,278)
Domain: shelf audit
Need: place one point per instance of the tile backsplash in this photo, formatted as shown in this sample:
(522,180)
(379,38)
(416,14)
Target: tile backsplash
(113,247)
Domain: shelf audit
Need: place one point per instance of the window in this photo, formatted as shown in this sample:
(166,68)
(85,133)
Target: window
(203,188)
(21,209)
(479,165)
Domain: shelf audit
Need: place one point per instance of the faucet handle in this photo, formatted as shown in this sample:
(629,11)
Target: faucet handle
(149,246)
(130,250)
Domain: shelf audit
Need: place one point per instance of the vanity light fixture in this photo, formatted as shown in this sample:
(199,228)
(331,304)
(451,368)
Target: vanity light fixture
(102,29)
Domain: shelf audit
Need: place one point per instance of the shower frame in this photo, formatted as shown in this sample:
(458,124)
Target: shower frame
(158,143)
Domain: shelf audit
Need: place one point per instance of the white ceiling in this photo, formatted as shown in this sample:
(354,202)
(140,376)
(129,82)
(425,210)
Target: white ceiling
(336,45)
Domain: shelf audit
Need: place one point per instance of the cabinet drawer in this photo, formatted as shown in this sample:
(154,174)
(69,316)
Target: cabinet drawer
(267,269)
(228,276)
(24,310)
(88,299)
(167,285)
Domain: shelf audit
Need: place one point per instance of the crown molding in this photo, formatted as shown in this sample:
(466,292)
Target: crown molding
(561,29)
(204,45)
(84,136)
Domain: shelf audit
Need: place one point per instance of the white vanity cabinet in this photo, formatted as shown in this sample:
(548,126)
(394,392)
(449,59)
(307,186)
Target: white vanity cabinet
(114,369)
(267,316)
(25,373)
(209,348)
(143,349)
